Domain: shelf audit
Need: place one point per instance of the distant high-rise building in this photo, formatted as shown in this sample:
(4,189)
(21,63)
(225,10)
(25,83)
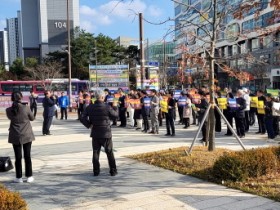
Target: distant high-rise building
(44,25)
(126,41)
(13,38)
(4,52)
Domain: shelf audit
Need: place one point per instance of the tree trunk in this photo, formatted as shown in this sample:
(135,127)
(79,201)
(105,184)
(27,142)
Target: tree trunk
(211,121)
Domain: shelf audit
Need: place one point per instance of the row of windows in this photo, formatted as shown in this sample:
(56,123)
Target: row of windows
(39,88)
(205,5)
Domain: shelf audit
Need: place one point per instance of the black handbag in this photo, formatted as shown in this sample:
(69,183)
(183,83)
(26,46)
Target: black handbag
(5,164)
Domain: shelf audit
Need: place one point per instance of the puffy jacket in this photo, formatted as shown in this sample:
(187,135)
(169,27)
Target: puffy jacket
(99,115)
(63,101)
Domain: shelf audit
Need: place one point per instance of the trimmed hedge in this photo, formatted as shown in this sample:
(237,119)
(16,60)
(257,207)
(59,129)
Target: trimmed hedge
(238,166)
(11,200)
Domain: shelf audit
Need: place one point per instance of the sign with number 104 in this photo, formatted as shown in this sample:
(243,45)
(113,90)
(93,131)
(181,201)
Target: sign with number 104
(59,24)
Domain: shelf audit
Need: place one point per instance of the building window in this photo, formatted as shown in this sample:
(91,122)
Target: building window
(255,44)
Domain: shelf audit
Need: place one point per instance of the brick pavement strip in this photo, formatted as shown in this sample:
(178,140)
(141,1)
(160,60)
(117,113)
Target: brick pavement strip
(64,181)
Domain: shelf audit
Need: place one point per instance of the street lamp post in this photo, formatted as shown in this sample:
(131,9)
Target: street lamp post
(69,54)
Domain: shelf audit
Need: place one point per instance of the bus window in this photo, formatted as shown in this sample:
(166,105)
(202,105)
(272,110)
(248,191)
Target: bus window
(16,88)
(39,88)
(7,87)
(25,88)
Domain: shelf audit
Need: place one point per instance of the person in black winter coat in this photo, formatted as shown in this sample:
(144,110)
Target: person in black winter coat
(201,109)
(97,117)
(240,114)
(145,111)
(170,115)
(268,119)
(49,112)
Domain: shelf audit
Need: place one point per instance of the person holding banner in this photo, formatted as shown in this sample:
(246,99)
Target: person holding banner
(138,111)
(80,104)
(268,117)
(170,115)
(130,108)
(261,113)
(276,117)
(229,114)
(181,103)
(154,112)
(240,114)
(122,108)
(146,105)
(187,112)
(247,109)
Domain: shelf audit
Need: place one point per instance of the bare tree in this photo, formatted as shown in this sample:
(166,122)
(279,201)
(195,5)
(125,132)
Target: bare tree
(203,28)
(46,72)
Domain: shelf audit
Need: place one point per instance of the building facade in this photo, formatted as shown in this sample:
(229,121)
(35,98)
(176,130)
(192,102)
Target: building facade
(125,41)
(161,54)
(4,49)
(13,32)
(44,25)
(236,38)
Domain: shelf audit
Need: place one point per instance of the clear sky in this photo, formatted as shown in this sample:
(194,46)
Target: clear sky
(114,18)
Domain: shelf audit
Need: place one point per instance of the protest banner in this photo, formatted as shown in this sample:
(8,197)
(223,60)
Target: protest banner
(222,102)
(254,102)
(276,109)
(232,103)
(196,98)
(273,92)
(261,107)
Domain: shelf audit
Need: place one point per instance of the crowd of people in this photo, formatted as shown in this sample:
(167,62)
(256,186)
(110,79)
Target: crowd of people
(100,110)
(146,110)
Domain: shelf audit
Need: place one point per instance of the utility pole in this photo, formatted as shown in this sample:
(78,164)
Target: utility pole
(164,64)
(69,54)
(95,52)
(142,55)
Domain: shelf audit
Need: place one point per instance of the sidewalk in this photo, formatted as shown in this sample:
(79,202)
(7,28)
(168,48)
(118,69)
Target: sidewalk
(63,173)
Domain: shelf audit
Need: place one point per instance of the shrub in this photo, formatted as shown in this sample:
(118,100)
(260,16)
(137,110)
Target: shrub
(11,200)
(228,167)
(239,166)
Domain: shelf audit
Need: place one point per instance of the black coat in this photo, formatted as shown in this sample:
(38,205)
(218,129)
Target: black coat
(49,108)
(202,109)
(20,131)
(240,111)
(99,115)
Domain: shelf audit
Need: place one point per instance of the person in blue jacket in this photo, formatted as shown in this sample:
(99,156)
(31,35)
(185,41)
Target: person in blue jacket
(63,103)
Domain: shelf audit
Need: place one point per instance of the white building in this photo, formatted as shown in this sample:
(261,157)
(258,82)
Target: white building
(4,49)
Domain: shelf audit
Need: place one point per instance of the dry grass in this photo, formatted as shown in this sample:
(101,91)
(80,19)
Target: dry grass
(199,164)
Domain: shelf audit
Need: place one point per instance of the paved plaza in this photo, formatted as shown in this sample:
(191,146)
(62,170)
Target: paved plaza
(63,172)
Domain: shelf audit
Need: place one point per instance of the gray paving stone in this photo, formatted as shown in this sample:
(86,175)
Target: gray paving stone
(64,181)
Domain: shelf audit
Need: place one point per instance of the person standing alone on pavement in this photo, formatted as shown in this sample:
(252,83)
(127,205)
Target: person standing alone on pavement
(21,135)
(49,112)
(63,103)
(98,117)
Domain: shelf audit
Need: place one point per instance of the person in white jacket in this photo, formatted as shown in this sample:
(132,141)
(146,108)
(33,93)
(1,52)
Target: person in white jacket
(247,109)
